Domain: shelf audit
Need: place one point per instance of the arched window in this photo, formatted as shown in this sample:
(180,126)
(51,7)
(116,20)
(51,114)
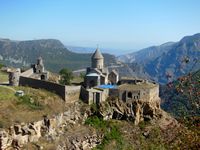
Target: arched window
(129,95)
(42,77)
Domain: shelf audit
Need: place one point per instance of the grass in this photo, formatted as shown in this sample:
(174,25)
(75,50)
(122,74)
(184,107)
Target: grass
(30,102)
(28,108)
(3,77)
(6,94)
(110,131)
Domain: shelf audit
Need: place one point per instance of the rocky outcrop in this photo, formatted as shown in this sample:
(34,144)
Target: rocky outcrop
(49,128)
(135,111)
(83,141)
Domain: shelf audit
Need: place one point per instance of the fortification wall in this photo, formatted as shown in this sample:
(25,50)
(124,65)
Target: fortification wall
(27,73)
(154,93)
(40,84)
(104,94)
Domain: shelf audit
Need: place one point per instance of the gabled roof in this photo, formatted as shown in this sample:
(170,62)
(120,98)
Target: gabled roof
(115,72)
(97,54)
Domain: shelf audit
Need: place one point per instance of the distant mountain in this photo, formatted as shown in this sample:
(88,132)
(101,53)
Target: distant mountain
(146,54)
(168,61)
(54,53)
(78,49)
(182,58)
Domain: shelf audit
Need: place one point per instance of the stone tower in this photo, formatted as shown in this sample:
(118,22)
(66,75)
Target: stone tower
(39,65)
(14,77)
(97,60)
(40,61)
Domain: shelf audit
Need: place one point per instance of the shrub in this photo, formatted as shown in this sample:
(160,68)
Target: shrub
(30,102)
(66,76)
(110,130)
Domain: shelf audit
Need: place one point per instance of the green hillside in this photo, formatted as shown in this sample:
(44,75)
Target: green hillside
(55,55)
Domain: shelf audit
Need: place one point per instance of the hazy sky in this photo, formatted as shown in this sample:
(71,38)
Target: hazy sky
(119,24)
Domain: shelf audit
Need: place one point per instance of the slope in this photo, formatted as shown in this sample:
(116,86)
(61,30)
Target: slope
(182,58)
(182,97)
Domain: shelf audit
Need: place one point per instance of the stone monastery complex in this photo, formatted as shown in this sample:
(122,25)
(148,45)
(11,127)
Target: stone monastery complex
(98,85)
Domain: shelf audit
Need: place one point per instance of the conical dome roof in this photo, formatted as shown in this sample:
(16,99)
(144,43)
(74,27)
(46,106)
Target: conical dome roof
(97,54)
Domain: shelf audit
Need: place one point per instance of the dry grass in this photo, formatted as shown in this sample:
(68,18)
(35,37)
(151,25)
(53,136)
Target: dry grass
(77,80)
(12,110)
(3,77)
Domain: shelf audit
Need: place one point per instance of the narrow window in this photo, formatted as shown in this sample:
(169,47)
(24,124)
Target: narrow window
(129,95)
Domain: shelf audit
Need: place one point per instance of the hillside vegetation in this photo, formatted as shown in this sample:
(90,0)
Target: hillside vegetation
(3,77)
(182,97)
(31,107)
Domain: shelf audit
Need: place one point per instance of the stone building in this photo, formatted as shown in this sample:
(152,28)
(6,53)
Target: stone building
(97,74)
(113,77)
(97,60)
(138,90)
(99,84)
(39,69)
(39,66)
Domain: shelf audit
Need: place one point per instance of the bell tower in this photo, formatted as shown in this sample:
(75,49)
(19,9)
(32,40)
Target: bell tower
(97,60)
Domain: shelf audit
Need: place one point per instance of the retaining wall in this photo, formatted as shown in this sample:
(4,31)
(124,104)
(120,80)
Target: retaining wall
(40,84)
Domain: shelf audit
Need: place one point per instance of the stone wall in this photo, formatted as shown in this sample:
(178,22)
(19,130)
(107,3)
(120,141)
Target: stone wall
(154,93)
(114,92)
(144,94)
(40,84)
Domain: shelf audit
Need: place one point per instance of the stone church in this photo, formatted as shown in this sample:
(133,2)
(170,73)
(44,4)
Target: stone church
(100,84)
(97,74)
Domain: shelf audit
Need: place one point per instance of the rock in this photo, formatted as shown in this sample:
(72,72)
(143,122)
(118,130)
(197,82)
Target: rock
(146,134)
(135,111)
(49,128)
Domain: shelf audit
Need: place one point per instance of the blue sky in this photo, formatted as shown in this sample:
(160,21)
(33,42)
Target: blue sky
(118,24)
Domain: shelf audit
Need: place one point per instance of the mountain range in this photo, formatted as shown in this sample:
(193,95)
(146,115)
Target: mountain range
(146,54)
(56,56)
(162,63)
(168,61)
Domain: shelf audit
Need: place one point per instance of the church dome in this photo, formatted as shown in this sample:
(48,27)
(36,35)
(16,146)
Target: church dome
(97,54)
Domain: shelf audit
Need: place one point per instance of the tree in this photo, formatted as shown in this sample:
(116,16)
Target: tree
(66,76)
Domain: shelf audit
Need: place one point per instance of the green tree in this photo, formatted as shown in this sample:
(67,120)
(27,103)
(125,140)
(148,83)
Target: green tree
(66,76)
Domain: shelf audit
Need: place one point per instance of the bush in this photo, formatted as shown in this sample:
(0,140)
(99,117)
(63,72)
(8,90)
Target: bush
(28,101)
(66,76)
(111,132)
